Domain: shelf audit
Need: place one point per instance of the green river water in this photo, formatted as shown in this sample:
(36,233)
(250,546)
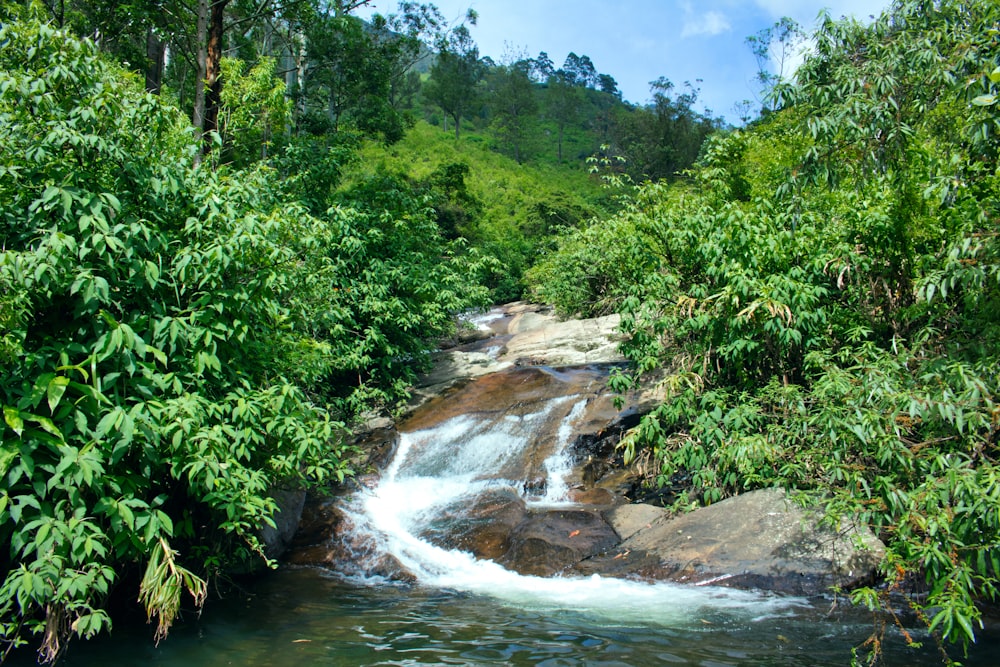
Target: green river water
(305,617)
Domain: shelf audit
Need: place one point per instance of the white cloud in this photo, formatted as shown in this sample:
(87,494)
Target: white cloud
(807,12)
(710,23)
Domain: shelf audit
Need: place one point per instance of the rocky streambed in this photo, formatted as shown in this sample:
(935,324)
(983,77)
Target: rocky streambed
(509,456)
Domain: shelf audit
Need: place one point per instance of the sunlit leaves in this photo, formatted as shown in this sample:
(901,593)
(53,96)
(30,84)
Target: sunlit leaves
(842,329)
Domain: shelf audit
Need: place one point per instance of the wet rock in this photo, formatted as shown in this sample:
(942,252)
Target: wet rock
(327,538)
(482,529)
(377,446)
(595,496)
(510,401)
(528,335)
(277,538)
(756,540)
(316,542)
(550,542)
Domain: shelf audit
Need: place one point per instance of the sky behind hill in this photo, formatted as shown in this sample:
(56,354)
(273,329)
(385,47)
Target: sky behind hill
(638,41)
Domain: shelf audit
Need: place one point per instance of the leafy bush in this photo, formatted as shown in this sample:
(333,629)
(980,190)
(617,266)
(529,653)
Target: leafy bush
(169,336)
(821,303)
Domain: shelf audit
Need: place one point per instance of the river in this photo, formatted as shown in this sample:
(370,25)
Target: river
(459,610)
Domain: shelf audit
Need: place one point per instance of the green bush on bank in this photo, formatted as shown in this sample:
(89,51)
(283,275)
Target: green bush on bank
(176,341)
(822,299)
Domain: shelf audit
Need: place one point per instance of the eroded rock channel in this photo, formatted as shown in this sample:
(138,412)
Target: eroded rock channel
(509,456)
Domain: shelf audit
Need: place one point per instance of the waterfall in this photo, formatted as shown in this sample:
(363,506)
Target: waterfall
(442,469)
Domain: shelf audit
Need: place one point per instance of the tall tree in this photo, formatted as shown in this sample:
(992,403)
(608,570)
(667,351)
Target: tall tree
(455,75)
(213,70)
(564,102)
(663,138)
(514,105)
(775,49)
(542,67)
(579,71)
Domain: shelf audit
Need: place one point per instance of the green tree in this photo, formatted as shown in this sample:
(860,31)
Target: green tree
(455,76)
(514,105)
(775,49)
(818,301)
(255,109)
(177,341)
(663,138)
(563,107)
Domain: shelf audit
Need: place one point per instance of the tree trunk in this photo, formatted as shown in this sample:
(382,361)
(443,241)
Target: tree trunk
(458,124)
(198,117)
(213,80)
(155,54)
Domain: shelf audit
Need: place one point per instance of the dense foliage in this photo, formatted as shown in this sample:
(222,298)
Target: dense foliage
(177,342)
(821,302)
(509,211)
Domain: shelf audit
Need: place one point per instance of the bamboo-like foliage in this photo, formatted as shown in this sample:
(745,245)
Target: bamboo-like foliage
(821,302)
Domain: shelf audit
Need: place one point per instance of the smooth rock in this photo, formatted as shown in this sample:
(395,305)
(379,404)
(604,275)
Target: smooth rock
(627,520)
(569,343)
(759,539)
(484,529)
(551,542)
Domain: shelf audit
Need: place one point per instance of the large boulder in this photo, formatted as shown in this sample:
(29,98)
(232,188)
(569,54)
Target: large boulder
(481,526)
(554,541)
(759,539)
(569,343)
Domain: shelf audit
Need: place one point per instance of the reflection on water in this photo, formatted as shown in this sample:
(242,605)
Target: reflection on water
(304,617)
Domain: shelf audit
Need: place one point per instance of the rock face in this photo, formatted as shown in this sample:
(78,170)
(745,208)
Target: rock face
(524,335)
(277,538)
(759,539)
(532,366)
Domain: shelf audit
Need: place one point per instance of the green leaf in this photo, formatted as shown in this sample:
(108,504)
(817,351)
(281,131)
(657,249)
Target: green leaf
(13,419)
(47,425)
(152,273)
(984,100)
(995,75)
(6,457)
(55,390)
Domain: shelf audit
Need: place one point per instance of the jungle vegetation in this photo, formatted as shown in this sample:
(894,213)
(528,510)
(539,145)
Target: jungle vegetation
(218,252)
(820,300)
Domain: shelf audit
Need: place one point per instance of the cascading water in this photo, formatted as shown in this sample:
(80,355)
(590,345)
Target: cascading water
(447,466)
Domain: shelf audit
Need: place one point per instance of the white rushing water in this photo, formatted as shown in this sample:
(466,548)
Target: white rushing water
(445,467)
(560,463)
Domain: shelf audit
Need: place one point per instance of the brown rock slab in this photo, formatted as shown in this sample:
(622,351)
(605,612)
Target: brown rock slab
(758,540)
(483,529)
(551,542)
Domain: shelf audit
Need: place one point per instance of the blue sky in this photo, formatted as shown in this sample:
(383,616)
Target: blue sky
(637,41)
